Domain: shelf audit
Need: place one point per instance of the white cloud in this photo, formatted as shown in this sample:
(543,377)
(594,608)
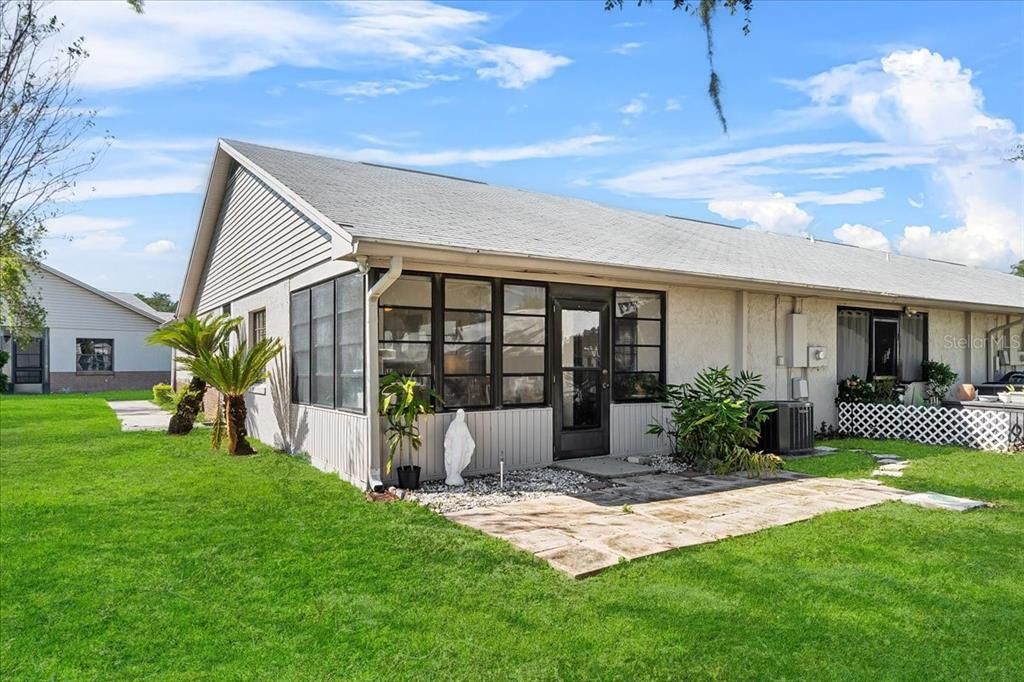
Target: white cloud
(741,174)
(73,225)
(99,241)
(672,105)
(516,67)
(916,203)
(364,88)
(635,106)
(133,186)
(856,196)
(921,99)
(178,42)
(863,236)
(626,48)
(776,214)
(584,145)
(160,246)
(924,113)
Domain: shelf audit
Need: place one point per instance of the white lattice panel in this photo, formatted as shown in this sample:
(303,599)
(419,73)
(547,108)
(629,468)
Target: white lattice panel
(982,429)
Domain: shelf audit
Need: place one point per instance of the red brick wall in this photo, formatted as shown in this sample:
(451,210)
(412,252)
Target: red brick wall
(71,381)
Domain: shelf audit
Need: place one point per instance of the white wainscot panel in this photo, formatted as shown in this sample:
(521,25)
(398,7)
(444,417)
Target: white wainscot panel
(335,441)
(629,429)
(523,437)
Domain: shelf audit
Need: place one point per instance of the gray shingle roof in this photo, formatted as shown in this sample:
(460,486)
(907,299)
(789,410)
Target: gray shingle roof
(376,202)
(136,302)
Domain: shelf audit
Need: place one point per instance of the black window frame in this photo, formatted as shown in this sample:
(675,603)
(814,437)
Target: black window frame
(662,360)
(435,324)
(307,293)
(79,355)
(489,344)
(437,341)
(500,337)
(897,315)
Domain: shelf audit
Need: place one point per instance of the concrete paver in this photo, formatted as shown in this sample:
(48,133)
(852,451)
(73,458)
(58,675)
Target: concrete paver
(139,415)
(581,535)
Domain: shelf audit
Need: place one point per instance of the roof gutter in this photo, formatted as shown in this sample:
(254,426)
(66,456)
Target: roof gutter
(373,360)
(487,258)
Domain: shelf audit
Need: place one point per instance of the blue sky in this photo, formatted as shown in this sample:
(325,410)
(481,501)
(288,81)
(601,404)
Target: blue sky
(879,124)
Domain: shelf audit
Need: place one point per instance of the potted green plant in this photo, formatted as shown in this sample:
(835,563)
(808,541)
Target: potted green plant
(402,402)
(940,377)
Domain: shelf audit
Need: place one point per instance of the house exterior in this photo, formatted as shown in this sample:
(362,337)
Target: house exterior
(93,341)
(550,320)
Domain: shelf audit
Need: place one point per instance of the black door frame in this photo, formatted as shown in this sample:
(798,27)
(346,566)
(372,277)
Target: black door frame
(585,442)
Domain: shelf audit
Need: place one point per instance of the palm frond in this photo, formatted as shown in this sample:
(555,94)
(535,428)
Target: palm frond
(235,372)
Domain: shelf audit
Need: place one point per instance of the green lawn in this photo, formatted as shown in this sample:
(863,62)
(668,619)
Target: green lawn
(135,555)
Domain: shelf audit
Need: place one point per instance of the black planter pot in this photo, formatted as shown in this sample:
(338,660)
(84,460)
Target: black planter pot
(409,477)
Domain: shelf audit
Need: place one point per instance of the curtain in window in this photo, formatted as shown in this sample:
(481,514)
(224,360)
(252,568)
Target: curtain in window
(912,347)
(853,343)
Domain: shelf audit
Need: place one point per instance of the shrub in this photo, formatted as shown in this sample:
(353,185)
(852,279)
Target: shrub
(4,357)
(163,395)
(715,421)
(853,389)
(177,397)
(940,377)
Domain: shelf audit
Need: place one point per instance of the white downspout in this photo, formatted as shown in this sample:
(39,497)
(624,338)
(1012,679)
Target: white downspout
(373,361)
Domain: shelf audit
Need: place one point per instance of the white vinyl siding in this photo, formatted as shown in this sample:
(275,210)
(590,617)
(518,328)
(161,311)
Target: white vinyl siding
(260,239)
(70,306)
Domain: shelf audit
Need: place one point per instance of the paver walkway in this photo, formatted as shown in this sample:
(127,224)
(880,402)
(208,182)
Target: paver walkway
(139,415)
(583,534)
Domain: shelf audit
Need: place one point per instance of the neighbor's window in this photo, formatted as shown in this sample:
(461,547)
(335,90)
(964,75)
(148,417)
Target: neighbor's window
(881,343)
(405,331)
(524,335)
(257,326)
(327,324)
(94,355)
(638,345)
(349,303)
(467,343)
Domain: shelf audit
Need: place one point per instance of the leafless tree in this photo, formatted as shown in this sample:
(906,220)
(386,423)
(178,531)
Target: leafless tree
(46,143)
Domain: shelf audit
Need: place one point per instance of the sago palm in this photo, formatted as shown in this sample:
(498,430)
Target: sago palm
(190,337)
(233,373)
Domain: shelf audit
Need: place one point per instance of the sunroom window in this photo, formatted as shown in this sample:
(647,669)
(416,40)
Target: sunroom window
(467,343)
(405,328)
(638,345)
(524,335)
(327,346)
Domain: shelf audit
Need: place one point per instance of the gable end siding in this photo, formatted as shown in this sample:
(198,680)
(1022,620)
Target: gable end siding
(69,306)
(260,239)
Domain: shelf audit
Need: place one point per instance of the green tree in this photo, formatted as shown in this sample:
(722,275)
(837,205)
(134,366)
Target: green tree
(233,373)
(704,11)
(190,338)
(43,148)
(160,301)
(1018,269)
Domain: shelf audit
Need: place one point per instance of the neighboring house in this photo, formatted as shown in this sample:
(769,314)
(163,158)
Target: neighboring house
(550,320)
(94,340)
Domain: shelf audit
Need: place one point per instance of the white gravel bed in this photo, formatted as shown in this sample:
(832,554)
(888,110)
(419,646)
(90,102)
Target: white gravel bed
(669,465)
(485,491)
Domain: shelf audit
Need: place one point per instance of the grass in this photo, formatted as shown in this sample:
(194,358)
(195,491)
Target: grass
(138,555)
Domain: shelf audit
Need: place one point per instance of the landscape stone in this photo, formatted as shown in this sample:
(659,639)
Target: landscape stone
(945,502)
